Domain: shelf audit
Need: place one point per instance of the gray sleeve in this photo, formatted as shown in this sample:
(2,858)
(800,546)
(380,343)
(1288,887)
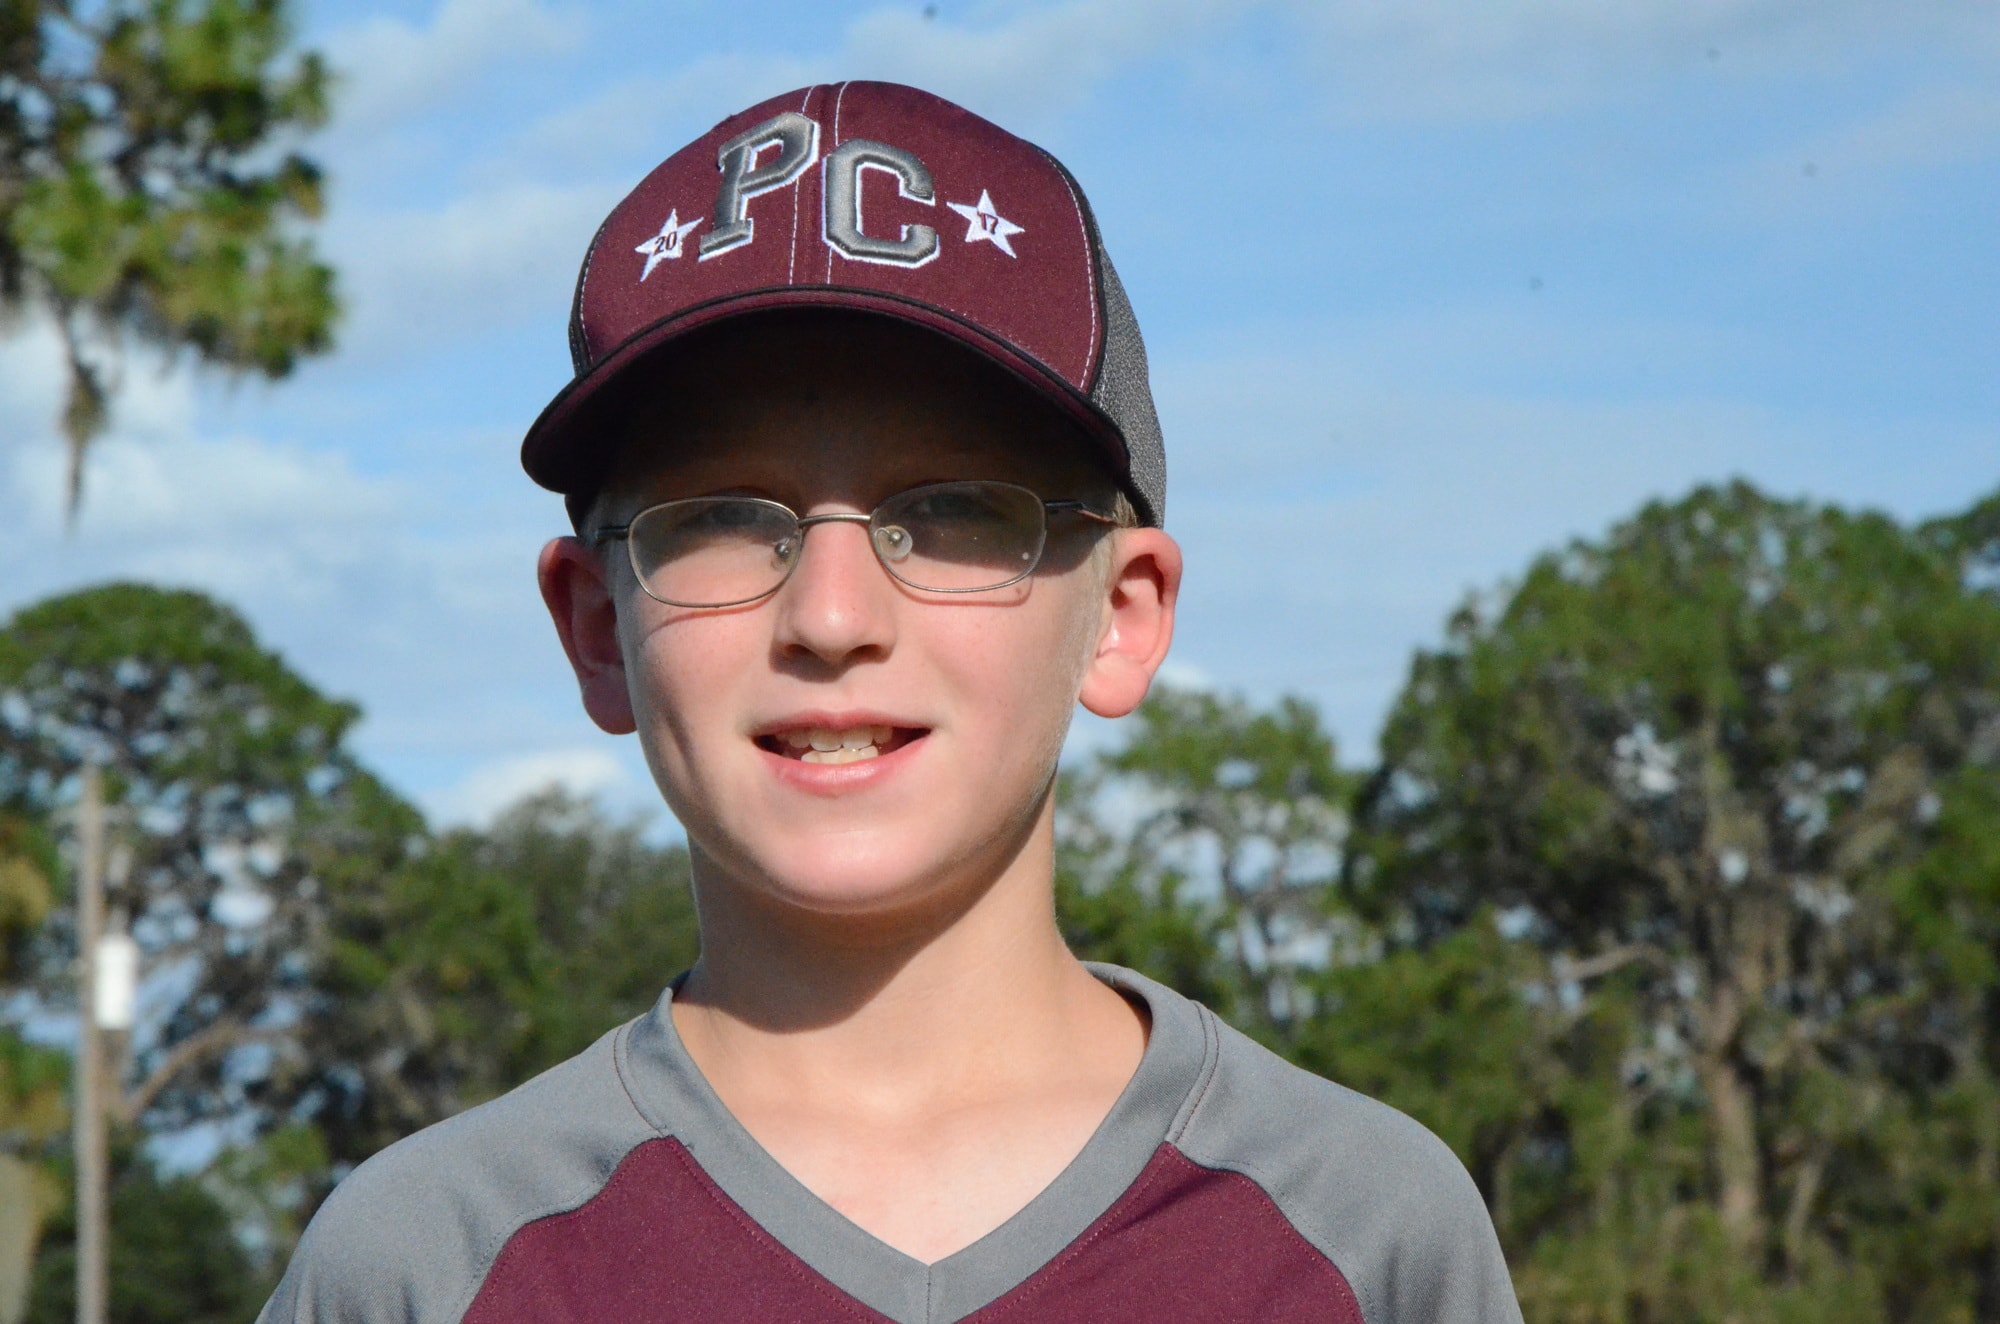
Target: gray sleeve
(410,1235)
(1379,1195)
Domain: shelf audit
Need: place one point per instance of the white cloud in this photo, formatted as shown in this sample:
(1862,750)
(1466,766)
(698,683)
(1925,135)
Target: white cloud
(482,795)
(425,276)
(150,476)
(1021,71)
(1445,60)
(1936,126)
(1424,60)
(1335,505)
(634,122)
(433,623)
(149,397)
(392,68)
(1932,127)
(245,518)
(1185,675)
(509,251)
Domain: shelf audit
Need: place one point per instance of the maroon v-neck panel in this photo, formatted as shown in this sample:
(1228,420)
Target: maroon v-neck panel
(661,1242)
(1188,1244)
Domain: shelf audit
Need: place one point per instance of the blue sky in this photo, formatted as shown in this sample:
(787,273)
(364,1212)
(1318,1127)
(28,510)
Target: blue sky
(1428,287)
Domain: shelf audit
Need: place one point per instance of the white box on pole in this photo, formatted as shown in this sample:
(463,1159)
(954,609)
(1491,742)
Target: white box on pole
(117,981)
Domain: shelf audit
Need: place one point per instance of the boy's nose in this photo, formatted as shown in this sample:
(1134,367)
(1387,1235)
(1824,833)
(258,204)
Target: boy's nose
(838,606)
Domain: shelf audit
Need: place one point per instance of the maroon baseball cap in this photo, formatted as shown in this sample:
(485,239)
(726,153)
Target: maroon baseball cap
(872,197)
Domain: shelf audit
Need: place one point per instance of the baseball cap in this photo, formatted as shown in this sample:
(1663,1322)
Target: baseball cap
(872,197)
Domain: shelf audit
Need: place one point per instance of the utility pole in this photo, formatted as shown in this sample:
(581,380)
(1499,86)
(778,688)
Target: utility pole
(92,1264)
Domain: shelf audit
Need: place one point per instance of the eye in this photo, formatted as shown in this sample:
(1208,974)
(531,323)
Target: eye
(957,505)
(732,517)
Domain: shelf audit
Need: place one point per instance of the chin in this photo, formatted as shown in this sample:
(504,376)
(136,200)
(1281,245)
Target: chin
(851,879)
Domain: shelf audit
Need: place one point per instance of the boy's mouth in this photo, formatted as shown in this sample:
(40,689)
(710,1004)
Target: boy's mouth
(825,744)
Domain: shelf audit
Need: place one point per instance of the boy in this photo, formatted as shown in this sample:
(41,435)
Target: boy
(865,505)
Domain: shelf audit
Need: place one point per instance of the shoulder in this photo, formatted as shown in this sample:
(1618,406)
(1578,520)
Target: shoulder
(1371,1188)
(409,1235)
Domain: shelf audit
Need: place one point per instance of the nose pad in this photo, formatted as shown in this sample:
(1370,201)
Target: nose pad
(785,551)
(893,543)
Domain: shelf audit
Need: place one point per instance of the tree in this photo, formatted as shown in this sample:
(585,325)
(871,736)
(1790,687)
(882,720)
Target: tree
(175,1255)
(1673,907)
(238,806)
(32,1080)
(494,954)
(324,974)
(146,191)
(1732,780)
(1203,851)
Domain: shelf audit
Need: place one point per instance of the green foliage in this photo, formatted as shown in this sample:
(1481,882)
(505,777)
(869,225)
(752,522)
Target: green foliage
(1673,906)
(32,1080)
(230,787)
(493,955)
(353,977)
(32,1084)
(1742,757)
(1211,800)
(147,189)
(1121,922)
(269,1188)
(25,896)
(175,1256)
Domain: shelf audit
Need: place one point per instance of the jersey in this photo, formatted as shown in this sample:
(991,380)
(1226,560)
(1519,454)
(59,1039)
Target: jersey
(1224,1185)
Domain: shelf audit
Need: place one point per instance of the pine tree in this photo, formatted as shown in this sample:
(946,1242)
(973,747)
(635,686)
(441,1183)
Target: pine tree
(149,190)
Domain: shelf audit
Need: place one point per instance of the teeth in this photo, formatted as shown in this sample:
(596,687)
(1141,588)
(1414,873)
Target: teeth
(821,744)
(842,755)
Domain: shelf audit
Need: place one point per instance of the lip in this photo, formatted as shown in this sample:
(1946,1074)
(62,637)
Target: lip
(839,778)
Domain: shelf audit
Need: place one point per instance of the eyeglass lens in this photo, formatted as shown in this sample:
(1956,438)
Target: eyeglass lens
(945,538)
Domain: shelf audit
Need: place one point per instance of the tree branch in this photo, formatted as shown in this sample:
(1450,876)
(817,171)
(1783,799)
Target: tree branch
(1569,969)
(215,1041)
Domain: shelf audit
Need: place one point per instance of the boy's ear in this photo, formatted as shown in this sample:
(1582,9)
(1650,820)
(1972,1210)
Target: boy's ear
(580,603)
(1142,585)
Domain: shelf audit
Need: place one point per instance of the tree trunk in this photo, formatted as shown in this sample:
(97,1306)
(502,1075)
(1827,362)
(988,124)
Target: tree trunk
(1738,1168)
(24,1199)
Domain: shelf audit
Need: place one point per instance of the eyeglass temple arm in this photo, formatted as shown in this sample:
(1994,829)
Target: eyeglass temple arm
(1077,508)
(609,533)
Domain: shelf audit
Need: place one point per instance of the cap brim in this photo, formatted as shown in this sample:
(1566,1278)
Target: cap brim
(569,445)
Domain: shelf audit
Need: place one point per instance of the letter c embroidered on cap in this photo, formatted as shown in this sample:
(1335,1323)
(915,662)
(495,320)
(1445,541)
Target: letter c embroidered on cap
(843,231)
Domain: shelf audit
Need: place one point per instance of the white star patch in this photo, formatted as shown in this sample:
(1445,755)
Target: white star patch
(983,222)
(666,245)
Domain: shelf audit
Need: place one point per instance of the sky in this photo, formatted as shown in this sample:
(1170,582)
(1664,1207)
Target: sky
(1428,287)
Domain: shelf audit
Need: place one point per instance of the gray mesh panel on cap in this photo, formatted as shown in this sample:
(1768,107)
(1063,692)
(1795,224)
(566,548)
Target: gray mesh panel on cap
(1124,391)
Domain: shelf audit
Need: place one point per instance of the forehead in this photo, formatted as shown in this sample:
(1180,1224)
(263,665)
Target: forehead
(829,406)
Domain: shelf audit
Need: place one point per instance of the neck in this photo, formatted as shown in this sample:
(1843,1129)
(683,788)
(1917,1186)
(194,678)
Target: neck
(919,1000)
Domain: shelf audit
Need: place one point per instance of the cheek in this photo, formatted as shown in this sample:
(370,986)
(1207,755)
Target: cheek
(1017,670)
(683,675)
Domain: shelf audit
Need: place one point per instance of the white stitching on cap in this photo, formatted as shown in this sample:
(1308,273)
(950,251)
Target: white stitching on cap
(839,97)
(798,187)
(583,292)
(1089,275)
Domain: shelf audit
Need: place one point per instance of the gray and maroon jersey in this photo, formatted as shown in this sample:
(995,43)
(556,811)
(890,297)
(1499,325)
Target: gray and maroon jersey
(1225,1185)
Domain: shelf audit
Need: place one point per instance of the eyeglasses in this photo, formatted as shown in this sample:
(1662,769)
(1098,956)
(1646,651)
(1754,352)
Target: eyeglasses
(967,537)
